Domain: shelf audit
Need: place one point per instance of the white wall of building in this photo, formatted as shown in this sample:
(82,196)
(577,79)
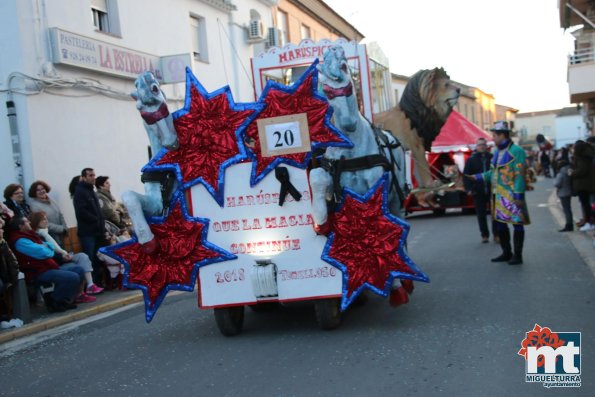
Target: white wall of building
(538,124)
(65,130)
(569,129)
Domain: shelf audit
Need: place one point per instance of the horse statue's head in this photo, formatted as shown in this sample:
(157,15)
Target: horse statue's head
(150,101)
(337,85)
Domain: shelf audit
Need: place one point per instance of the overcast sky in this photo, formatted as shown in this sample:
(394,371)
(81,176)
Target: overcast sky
(512,49)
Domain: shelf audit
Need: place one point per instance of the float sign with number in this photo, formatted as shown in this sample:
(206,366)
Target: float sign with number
(278,252)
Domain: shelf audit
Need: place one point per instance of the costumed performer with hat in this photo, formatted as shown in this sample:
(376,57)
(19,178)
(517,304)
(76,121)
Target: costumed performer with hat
(507,176)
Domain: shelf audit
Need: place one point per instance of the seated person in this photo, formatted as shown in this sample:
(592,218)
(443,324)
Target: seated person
(39,223)
(9,267)
(39,200)
(35,260)
(15,200)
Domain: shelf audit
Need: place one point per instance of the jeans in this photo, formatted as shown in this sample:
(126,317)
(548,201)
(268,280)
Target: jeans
(565,201)
(90,246)
(66,283)
(480,201)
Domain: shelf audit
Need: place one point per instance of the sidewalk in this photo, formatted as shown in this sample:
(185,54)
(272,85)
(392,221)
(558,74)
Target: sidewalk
(43,320)
(583,242)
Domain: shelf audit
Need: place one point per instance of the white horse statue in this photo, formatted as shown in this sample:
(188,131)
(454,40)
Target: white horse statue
(376,151)
(150,101)
(359,168)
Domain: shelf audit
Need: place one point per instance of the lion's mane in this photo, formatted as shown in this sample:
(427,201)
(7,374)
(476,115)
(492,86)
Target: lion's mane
(418,102)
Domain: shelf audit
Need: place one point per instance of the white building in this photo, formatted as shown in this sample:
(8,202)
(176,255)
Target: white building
(561,126)
(68,67)
(570,127)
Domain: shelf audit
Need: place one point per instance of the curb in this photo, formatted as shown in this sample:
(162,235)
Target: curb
(580,240)
(44,325)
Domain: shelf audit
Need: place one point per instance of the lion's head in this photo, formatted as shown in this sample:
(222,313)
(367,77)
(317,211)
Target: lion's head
(427,100)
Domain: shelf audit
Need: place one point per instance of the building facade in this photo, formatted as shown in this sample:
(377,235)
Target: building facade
(581,63)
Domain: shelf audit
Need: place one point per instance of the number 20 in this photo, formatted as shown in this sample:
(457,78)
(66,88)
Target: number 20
(288,138)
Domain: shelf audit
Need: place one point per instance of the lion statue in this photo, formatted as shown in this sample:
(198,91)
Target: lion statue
(427,101)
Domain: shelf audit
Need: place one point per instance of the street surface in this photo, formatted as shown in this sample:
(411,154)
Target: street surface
(458,336)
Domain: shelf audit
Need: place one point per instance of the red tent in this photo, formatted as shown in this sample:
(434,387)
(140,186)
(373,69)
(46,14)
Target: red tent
(452,146)
(458,134)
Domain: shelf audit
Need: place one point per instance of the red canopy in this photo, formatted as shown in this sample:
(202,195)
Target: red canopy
(458,134)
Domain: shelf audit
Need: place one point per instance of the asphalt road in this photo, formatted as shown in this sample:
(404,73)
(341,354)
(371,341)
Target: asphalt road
(459,336)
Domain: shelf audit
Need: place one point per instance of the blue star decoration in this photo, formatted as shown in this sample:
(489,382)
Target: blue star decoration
(210,128)
(367,243)
(281,100)
(183,250)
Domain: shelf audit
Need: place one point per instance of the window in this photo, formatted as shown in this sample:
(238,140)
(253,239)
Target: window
(105,16)
(305,32)
(283,27)
(198,34)
(100,19)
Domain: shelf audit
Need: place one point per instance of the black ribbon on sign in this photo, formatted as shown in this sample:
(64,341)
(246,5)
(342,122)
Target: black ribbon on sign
(282,176)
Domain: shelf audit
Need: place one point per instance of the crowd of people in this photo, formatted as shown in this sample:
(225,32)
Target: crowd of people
(33,233)
(499,181)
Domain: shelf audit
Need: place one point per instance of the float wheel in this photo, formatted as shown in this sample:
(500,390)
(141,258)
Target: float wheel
(328,313)
(230,320)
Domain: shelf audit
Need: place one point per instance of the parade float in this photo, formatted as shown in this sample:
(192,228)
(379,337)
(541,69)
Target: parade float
(269,201)
(446,159)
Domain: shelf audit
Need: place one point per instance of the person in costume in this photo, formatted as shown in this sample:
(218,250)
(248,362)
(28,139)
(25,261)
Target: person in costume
(507,177)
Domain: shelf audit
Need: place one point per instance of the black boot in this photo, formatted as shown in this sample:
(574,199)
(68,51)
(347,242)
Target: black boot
(518,239)
(506,255)
(567,228)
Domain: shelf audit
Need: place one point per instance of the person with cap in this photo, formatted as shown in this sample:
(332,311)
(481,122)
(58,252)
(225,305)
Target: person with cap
(507,176)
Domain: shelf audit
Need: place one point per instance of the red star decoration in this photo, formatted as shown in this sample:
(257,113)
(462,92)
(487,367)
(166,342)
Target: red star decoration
(207,135)
(182,249)
(366,243)
(282,101)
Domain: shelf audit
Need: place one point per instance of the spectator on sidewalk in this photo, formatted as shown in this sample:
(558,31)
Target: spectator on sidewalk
(112,210)
(90,222)
(563,185)
(39,223)
(41,201)
(507,177)
(583,181)
(15,200)
(35,260)
(9,267)
(479,162)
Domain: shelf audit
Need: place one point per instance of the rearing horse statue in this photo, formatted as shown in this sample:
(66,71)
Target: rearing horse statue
(374,151)
(359,168)
(158,122)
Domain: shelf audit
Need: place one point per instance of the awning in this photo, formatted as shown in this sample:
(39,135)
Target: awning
(458,134)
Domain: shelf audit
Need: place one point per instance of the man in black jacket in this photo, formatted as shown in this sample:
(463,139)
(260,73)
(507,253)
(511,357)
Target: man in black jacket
(479,162)
(90,221)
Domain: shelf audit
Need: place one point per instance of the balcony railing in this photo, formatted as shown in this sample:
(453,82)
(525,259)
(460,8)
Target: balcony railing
(581,56)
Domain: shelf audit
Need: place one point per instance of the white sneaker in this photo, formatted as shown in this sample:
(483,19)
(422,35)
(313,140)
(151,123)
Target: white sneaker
(587,227)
